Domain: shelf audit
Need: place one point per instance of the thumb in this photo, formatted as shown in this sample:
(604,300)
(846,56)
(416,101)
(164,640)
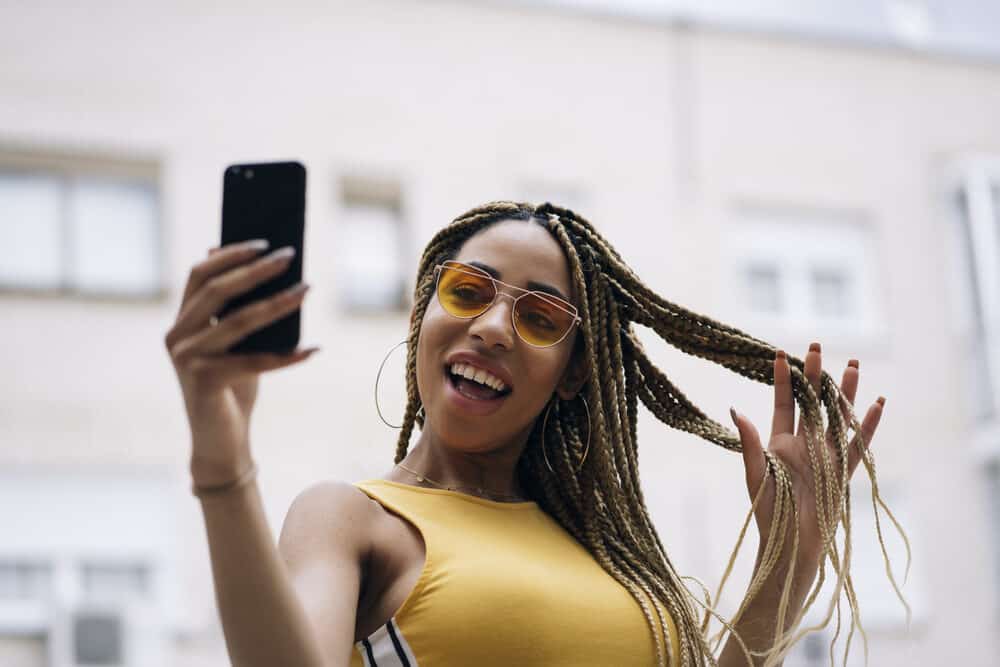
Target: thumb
(753,451)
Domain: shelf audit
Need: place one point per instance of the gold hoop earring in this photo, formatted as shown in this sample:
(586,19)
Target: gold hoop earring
(379,375)
(586,449)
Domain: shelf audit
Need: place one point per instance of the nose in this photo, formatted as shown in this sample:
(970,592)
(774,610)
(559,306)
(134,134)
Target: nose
(496,325)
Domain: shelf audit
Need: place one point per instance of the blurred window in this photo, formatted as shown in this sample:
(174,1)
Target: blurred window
(114,580)
(831,291)
(25,580)
(763,286)
(32,253)
(804,271)
(370,247)
(78,226)
(99,540)
(976,280)
(98,639)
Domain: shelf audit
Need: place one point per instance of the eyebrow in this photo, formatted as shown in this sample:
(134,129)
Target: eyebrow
(532,285)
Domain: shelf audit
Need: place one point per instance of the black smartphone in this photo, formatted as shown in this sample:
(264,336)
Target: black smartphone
(266,201)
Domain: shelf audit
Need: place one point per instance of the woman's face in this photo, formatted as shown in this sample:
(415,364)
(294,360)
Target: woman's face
(520,252)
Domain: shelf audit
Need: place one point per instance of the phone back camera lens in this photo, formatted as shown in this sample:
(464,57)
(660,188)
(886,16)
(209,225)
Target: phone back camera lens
(236,170)
(249,173)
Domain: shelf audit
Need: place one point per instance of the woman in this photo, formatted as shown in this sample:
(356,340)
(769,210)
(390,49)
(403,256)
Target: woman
(515,530)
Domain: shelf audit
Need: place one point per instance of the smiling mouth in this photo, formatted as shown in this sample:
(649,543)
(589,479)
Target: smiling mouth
(474,390)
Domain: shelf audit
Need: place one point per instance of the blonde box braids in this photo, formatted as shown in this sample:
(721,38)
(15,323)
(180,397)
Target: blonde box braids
(602,506)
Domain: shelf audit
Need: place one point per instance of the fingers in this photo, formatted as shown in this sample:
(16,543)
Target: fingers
(238,324)
(218,289)
(848,390)
(223,370)
(199,348)
(753,451)
(813,373)
(220,260)
(784,405)
(849,383)
(868,426)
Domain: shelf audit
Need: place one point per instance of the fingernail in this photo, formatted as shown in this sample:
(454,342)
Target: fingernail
(732,413)
(258,244)
(283,253)
(311,350)
(814,347)
(780,354)
(881,401)
(853,362)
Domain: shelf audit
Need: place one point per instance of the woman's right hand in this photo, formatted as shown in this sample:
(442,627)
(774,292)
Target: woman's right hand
(220,388)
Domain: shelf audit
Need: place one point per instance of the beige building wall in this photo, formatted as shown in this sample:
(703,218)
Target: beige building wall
(668,139)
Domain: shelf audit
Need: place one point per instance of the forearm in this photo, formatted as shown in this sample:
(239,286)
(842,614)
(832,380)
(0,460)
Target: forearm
(759,621)
(263,620)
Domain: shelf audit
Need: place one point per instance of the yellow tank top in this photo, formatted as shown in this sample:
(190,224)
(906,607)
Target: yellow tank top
(503,584)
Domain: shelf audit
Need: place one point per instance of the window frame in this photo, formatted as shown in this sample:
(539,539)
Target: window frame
(379,192)
(976,316)
(746,247)
(68,168)
(977,176)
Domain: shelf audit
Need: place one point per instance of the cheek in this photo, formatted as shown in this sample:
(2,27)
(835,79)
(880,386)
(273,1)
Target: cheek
(436,328)
(542,370)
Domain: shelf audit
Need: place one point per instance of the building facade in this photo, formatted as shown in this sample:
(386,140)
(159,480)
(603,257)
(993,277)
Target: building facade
(797,189)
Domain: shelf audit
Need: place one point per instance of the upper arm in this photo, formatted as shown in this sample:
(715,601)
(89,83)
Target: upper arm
(324,542)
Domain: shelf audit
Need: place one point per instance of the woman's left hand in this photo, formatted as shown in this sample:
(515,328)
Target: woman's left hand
(791,449)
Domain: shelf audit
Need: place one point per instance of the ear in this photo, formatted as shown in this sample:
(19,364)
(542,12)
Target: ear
(576,374)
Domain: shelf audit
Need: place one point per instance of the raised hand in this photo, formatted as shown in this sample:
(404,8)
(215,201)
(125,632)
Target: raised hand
(789,446)
(220,388)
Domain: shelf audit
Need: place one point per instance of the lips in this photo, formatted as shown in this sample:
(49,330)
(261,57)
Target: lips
(466,404)
(479,361)
(470,406)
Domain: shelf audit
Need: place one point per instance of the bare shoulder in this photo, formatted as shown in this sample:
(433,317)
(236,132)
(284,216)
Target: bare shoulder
(326,542)
(328,514)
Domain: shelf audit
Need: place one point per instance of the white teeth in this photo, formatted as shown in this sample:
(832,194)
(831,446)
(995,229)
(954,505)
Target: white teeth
(478,375)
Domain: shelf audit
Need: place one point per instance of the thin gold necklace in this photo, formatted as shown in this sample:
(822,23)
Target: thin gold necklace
(479,491)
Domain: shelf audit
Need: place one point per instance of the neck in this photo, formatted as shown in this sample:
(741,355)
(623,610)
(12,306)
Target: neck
(493,470)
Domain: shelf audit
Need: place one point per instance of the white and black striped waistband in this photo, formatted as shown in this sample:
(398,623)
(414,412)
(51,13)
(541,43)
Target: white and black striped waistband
(386,647)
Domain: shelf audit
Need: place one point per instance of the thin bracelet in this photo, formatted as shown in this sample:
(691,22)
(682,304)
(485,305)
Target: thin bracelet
(242,480)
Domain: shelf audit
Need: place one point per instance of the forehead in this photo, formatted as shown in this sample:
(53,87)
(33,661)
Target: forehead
(521,251)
